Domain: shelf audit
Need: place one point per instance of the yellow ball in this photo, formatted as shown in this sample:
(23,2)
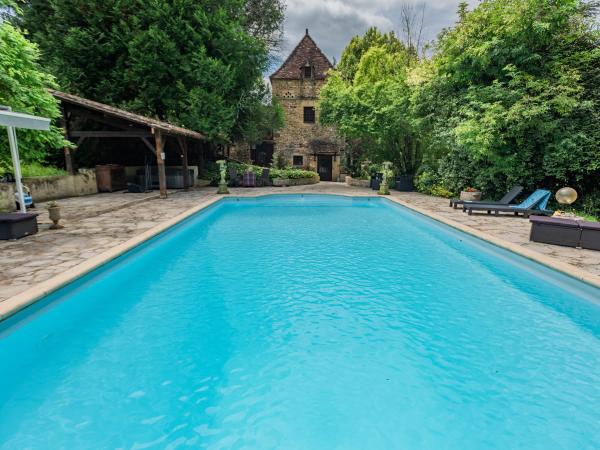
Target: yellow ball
(566,196)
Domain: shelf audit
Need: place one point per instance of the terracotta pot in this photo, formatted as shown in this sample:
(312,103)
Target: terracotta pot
(474,196)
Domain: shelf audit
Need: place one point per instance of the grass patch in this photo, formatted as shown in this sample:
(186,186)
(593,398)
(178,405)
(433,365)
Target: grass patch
(37,170)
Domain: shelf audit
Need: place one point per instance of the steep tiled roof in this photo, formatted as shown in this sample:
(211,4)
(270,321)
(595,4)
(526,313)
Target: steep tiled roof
(307,51)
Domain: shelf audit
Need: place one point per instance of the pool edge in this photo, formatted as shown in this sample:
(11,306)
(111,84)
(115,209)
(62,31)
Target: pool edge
(18,302)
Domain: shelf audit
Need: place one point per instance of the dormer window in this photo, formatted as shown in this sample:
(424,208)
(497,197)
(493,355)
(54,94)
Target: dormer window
(308,71)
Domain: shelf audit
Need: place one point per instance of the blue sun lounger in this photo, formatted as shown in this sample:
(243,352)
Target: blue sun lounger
(534,205)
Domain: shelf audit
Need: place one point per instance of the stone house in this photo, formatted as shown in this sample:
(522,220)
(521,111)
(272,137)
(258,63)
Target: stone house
(296,85)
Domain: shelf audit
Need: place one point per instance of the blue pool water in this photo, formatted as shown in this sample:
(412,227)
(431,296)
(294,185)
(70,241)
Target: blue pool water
(308,322)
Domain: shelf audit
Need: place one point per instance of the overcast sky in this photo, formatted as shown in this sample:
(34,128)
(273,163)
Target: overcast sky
(332,23)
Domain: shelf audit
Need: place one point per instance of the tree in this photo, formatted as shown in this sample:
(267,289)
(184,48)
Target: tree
(264,19)
(372,105)
(23,87)
(510,96)
(359,45)
(196,64)
(411,23)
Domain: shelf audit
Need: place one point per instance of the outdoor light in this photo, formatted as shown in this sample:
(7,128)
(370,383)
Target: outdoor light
(566,196)
(12,120)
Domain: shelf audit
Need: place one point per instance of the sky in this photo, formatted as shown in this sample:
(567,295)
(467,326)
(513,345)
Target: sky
(332,23)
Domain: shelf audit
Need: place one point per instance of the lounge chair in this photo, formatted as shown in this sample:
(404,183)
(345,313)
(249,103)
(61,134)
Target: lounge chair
(534,205)
(507,199)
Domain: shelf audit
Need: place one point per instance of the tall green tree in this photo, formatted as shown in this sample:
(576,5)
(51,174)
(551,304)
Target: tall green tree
(512,96)
(23,87)
(197,64)
(369,101)
(359,45)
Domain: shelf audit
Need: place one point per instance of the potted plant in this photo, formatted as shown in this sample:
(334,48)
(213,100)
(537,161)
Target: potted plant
(470,195)
(54,215)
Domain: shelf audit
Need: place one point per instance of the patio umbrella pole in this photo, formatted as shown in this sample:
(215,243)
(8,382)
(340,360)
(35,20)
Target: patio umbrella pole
(14,151)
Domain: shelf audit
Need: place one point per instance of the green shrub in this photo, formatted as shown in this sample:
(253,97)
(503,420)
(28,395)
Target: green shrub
(287,172)
(292,173)
(426,180)
(37,170)
(429,182)
(440,191)
(589,205)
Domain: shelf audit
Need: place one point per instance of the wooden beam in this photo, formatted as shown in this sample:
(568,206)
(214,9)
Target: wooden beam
(162,176)
(110,134)
(184,162)
(149,145)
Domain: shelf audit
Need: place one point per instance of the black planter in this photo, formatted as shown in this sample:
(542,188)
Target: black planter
(405,183)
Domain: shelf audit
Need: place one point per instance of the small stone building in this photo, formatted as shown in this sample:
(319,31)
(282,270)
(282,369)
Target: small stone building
(296,85)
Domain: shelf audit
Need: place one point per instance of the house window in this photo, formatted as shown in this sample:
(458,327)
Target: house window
(298,160)
(308,72)
(309,114)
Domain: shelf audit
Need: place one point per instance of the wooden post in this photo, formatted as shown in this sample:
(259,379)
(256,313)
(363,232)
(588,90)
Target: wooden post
(162,177)
(69,161)
(68,156)
(184,162)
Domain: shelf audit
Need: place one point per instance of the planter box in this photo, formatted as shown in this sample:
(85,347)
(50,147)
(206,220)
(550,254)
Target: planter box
(470,196)
(590,235)
(17,225)
(357,182)
(294,181)
(555,231)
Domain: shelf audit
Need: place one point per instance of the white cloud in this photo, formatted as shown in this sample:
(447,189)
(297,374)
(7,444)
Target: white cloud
(332,23)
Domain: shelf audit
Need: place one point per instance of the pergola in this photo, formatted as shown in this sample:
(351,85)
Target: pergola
(123,124)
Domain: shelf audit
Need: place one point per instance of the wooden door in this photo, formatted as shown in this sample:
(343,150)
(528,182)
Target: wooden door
(325,167)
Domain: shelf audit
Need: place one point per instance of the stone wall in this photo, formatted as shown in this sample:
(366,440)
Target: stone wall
(51,188)
(7,197)
(294,139)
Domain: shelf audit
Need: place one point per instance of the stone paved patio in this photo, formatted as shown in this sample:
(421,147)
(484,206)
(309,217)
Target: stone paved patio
(93,224)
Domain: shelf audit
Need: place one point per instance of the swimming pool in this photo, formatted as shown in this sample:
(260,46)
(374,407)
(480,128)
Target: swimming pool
(307,322)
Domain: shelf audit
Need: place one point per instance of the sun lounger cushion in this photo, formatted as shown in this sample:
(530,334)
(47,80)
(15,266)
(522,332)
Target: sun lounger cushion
(538,200)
